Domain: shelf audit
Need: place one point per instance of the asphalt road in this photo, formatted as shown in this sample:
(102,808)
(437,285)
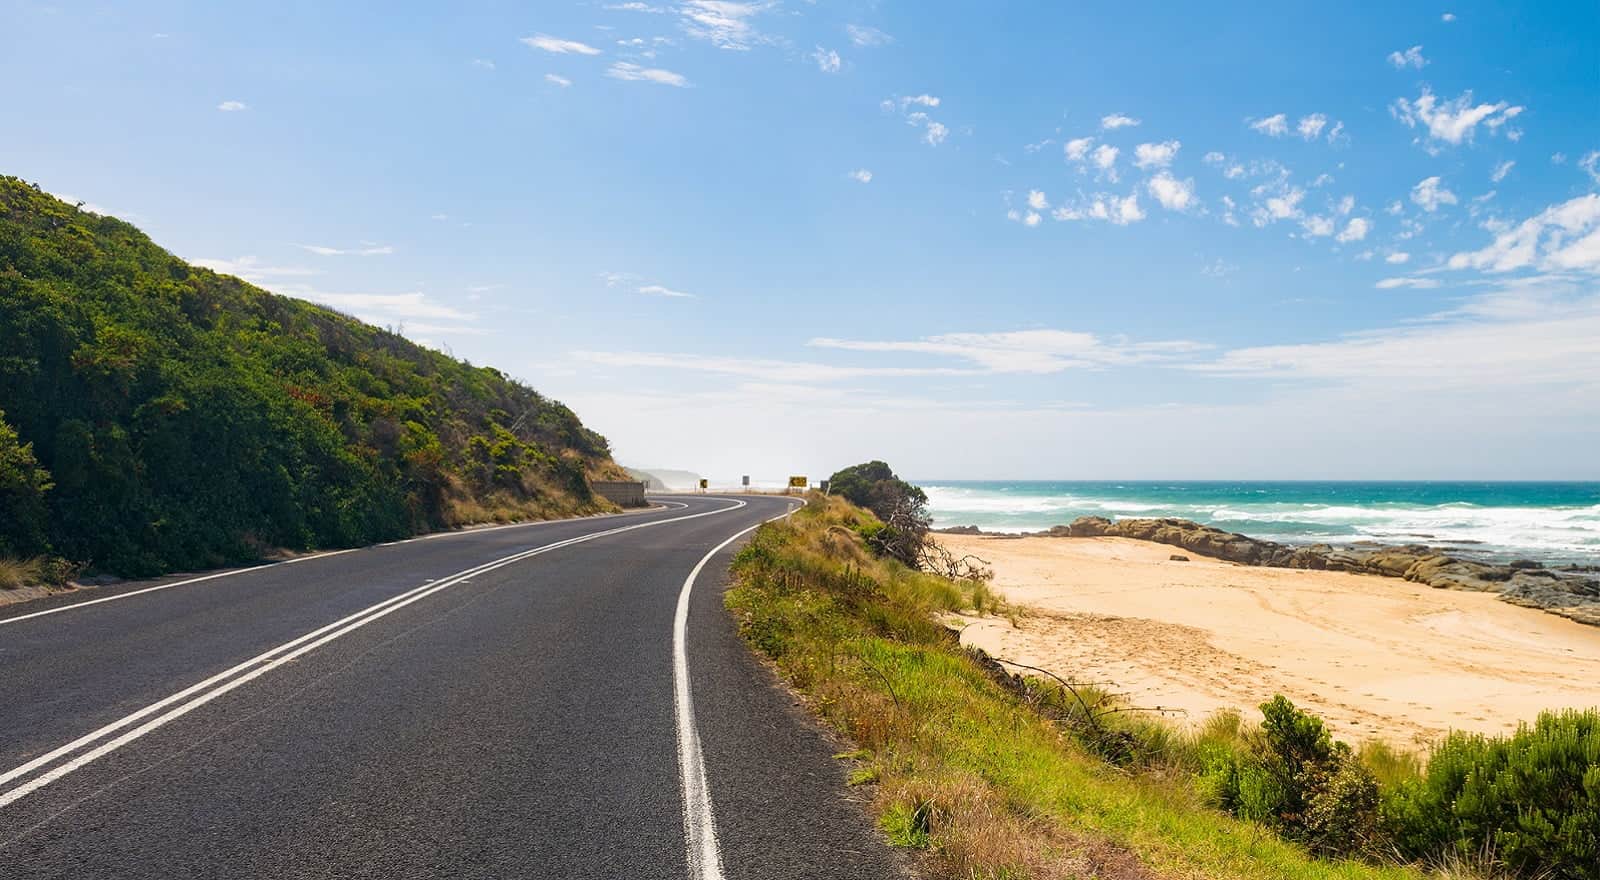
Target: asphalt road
(527,701)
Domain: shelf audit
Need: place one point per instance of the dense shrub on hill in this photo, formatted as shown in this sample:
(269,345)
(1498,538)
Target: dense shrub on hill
(158,415)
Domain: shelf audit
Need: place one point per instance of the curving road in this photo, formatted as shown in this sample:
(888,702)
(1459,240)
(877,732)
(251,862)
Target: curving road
(562,699)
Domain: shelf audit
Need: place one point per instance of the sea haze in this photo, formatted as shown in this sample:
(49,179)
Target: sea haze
(1550,522)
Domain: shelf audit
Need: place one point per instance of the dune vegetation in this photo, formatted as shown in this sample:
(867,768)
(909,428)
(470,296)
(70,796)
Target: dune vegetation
(998,776)
(160,416)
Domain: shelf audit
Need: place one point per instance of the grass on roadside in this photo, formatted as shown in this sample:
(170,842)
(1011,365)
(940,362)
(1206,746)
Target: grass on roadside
(966,769)
(17,573)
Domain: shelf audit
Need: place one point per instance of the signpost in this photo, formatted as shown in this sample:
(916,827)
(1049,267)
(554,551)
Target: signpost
(746,481)
(823,486)
(798,482)
(705,484)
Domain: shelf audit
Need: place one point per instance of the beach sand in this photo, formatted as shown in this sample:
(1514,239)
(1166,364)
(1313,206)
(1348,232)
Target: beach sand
(1377,657)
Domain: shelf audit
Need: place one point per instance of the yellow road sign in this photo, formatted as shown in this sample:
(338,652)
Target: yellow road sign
(797,482)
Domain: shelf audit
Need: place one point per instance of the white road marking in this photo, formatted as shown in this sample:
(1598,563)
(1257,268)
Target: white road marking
(231,572)
(199,694)
(699,822)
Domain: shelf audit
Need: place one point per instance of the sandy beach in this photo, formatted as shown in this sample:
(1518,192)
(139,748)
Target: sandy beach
(1379,658)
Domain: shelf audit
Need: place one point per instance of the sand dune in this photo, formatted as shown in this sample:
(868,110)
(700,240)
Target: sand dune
(1377,657)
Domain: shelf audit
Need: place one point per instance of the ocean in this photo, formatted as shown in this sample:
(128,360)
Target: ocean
(1550,522)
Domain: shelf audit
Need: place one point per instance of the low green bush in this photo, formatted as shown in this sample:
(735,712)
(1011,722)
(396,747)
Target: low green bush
(1531,800)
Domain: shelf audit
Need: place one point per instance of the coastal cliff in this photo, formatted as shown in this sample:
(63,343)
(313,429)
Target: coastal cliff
(1571,593)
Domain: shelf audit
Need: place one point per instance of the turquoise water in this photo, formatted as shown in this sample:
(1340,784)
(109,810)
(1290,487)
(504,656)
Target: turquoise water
(1553,522)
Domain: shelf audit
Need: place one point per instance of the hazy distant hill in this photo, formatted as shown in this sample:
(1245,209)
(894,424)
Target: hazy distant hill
(156,415)
(664,478)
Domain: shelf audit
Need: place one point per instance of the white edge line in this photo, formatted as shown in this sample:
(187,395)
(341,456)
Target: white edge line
(699,821)
(349,623)
(233,571)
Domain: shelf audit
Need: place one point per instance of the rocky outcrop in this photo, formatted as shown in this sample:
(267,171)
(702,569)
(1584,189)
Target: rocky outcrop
(1573,593)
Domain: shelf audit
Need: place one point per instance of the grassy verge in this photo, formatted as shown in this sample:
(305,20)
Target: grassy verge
(37,571)
(967,769)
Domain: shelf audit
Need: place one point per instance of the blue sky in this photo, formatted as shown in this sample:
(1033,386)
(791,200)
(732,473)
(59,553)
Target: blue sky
(978,240)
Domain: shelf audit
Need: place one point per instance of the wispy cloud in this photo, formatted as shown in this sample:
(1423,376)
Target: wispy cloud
(1501,170)
(756,368)
(1411,57)
(723,23)
(1562,238)
(1451,122)
(828,60)
(1027,351)
(253,270)
(1155,155)
(867,37)
(559,46)
(1115,121)
(1430,193)
(232,106)
(557,79)
(1276,125)
(861,175)
(630,72)
(658,290)
(366,250)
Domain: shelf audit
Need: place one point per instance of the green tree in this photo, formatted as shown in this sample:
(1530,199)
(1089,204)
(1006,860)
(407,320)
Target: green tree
(23,484)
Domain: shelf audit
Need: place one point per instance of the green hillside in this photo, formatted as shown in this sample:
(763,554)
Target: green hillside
(158,416)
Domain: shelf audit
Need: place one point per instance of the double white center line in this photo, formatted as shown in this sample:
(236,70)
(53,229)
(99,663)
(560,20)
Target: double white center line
(95,745)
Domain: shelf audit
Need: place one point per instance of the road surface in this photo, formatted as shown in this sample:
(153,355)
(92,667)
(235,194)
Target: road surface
(564,699)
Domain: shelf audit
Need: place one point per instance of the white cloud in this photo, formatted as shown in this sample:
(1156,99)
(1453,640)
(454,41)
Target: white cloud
(1214,158)
(1397,258)
(1541,335)
(483,63)
(1413,283)
(366,250)
(1310,127)
(1105,158)
(249,268)
(232,106)
(754,368)
(658,290)
(867,37)
(1283,206)
(1038,352)
(1355,230)
(936,133)
(1173,194)
(1411,57)
(1276,125)
(556,79)
(558,45)
(1562,238)
(1501,170)
(1031,220)
(861,175)
(1117,120)
(1454,121)
(1346,205)
(382,308)
(1317,226)
(828,60)
(1114,209)
(1448,16)
(1155,155)
(1590,163)
(1078,148)
(1037,200)
(1429,193)
(723,23)
(629,72)
(636,6)
(922,100)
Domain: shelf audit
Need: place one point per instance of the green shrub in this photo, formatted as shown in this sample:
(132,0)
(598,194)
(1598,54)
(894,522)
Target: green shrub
(1531,799)
(1296,779)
